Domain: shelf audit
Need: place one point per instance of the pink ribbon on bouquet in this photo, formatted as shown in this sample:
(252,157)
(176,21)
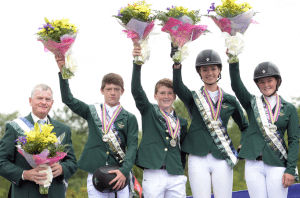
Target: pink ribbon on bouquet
(236,24)
(36,160)
(59,48)
(181,32)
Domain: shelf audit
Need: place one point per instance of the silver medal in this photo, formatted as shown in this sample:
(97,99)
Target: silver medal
(273,128)
(173,142)
(215,124)
(105,138)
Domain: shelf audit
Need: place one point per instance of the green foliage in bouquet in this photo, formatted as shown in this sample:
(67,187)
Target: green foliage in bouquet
(177,12)
(56,148)
(230,9)
(55,29)
(139,10)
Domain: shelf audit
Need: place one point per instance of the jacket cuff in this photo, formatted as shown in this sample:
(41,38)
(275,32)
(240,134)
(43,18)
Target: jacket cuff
(289,171)
(234,64)
(124,171)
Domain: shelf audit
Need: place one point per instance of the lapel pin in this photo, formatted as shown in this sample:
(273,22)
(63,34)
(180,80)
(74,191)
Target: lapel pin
(225,106)
(121,125)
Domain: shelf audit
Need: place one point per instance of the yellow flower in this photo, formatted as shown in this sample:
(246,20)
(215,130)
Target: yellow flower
(46,20)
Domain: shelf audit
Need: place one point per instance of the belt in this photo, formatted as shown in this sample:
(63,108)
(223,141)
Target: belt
(259,158)
(162,167)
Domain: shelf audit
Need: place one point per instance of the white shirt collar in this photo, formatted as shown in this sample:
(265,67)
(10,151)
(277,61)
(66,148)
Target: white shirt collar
(110,109)
(172,113)
(214,95)
(272,101)
(35,118)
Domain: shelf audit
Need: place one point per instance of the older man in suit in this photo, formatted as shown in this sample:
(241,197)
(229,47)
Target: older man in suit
(14,167)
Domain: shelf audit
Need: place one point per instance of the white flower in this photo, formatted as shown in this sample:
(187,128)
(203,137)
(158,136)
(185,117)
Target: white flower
(71,63)
(48,171)
(145,50)
(181,54)
(234,44)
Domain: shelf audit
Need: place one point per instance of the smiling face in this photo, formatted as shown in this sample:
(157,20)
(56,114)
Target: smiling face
(112,94)
(165,97)
(41,102)
(209,73)
(267,85)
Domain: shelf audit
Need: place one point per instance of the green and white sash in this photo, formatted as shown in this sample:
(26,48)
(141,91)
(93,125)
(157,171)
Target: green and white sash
(21,125)
(270,134)
(216,129)
(113,139)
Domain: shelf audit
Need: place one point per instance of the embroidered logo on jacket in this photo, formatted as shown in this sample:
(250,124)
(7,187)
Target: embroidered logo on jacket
(121,125)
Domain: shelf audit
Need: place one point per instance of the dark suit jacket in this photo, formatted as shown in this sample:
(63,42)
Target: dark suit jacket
(12,164)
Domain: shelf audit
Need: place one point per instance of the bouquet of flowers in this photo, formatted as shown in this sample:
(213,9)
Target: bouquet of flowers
(233,19)
(58,37)
(181,25)
(41,147)
(138,22)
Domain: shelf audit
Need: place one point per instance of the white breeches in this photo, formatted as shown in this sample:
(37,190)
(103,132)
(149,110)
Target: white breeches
(94,193)
(207,170)
(264,181)
(160,184)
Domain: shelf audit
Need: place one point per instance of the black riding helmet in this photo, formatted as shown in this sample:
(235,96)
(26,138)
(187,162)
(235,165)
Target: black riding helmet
(101,179)
(208,57)
(267,69)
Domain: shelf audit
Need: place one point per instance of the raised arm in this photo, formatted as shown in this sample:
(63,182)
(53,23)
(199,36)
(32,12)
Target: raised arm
(139,95)
(74,104)
(179,88)
(237,85)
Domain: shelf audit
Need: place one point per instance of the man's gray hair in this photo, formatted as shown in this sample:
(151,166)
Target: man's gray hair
(43,87)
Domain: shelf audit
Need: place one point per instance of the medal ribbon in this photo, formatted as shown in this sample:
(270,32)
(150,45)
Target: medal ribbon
(105,125)
(273,117)
(215,113)
(173,133)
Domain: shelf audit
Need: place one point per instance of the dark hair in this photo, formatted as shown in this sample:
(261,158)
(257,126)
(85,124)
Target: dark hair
(163,82)
(112,78)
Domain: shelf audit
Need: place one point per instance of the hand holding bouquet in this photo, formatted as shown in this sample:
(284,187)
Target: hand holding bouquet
(233,19)
(138,23)
(58,37)
(181,25)
(41,147)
